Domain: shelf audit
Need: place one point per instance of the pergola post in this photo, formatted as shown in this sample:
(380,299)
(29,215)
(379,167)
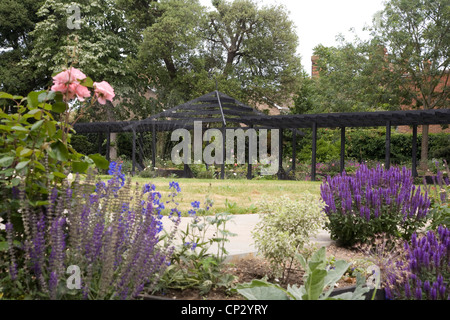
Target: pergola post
(280,154)
(414,152)
(342,161)
(294,149)
(388,145)
(154,146)
(314,150)
(108,144)
(250,159)
(222,170)
(133,153)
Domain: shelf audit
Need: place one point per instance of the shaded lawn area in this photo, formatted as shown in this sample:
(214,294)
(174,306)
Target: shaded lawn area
(241,195)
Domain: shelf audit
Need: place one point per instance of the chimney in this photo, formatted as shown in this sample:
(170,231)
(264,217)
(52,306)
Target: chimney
(314,68)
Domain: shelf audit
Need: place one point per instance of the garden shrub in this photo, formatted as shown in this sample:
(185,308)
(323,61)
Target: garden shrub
(357,146)
(371,202)
(109,231)
(35,147)
(285,229)
(439,192)
(426,272)
(193,263)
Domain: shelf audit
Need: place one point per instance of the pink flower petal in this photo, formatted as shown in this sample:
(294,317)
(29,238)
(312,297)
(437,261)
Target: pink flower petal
(82,92)
(104,91)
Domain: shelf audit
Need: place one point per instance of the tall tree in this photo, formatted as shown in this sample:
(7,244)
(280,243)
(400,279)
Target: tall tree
(258,48)
(17,20)
(416,34)
(250,51)
(351,77)
(171,54)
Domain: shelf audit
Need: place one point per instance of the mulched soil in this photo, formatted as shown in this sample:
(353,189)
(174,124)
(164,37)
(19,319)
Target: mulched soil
(247,269)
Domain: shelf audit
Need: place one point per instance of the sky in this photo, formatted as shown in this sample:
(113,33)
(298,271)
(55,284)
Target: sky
(320,21)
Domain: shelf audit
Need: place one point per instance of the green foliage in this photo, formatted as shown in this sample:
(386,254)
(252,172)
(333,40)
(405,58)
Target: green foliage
(18,19)
(351,78)
(357,146)
(416,35)
(440,216)
(328,146)
(285,228)
(318,283)
(82,144)
(35,150)
(193,264)
(238,44)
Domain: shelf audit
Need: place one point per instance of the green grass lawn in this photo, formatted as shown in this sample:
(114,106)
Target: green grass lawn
(243,195)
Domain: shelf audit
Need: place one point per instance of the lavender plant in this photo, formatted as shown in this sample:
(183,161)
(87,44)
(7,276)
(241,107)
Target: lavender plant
(371,202)
(110,231)
(426,272)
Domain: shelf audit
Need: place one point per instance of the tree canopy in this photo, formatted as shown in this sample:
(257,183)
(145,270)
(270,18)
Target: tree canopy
(250,51)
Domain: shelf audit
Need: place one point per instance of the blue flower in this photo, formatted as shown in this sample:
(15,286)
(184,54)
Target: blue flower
(175,185)
(149,187)
(195,204)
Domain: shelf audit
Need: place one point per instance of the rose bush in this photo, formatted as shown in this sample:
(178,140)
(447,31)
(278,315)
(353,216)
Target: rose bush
(35,150)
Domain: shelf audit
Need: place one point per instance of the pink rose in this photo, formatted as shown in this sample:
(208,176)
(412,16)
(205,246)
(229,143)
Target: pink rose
(82,92)
(68,83)
(103,91)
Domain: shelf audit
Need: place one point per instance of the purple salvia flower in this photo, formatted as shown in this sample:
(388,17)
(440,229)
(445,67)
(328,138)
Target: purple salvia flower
(442,290)
(418,293)
(53,285)
(433,293)
(427,286)
(10,238)
(407,290)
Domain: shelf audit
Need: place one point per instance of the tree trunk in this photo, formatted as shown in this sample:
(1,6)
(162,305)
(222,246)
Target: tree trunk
(229,65)
(424,151)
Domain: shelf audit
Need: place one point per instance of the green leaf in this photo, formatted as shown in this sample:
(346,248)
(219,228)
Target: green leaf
(37,125)
(39,165)
(15,182)
(59,97)
(59,107)
(59,174)
(99,161)
(25,152)
(4,95)
(318,259)
(88,82)
(22,164)
(6,161)
(45,96)
(4,244)
(33,98)
(314,284)
(79,166)
(302,260)
(60,151)
(51,128)
(19,128)
(262,290)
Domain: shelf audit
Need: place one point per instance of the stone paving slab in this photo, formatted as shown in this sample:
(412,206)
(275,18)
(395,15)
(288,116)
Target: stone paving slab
(241,245)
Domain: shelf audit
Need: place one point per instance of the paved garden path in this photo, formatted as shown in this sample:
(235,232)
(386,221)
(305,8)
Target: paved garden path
(242,245)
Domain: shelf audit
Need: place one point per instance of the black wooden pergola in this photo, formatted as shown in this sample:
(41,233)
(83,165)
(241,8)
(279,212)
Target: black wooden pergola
(219,110)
